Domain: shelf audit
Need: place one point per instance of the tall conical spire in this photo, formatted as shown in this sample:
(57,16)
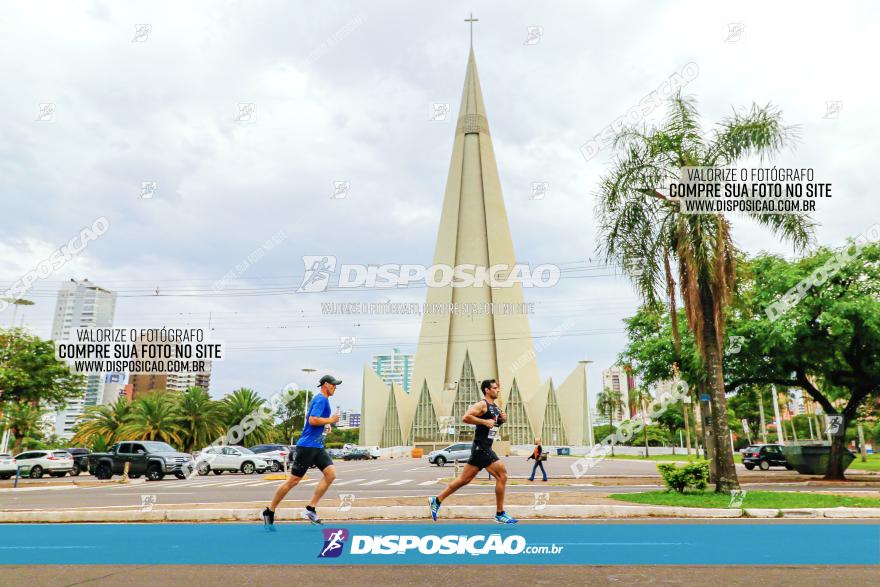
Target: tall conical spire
(474,231)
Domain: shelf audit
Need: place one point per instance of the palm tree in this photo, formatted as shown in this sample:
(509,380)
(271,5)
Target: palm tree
(645,232)
(154,416)
(237,406)
(102,422)
(608,402)
(23,422)
(201,418)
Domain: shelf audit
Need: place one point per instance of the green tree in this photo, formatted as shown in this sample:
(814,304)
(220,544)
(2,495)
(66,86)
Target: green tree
(827,343)
(292,415)
(240,404)
(30,373)
(645,232)
(102,423)
(609,402)
(154,416)
(200,419)
(651,353)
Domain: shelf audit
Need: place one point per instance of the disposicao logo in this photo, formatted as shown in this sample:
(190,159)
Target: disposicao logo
(334,541)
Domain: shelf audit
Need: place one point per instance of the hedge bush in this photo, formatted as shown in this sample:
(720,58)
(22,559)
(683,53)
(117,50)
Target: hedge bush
(693,475)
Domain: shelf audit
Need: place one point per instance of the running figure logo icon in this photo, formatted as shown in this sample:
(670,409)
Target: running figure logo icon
(318,269)
(334,541)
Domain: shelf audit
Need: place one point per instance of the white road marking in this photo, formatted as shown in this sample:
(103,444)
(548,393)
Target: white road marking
(163,493)
(348,482)
(429,482)
(401,482)
(376,482)
(229,484)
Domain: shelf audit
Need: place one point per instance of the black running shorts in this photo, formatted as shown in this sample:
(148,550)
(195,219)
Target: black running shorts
(306,456)
(482,457)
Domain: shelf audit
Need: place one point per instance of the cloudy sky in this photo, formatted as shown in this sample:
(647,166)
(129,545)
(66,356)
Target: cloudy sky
(343,92)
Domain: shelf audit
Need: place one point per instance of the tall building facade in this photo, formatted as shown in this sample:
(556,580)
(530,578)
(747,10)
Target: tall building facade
(456,351)
(349,419)
(142,383)
(395,368)
(618,380)
(81,304)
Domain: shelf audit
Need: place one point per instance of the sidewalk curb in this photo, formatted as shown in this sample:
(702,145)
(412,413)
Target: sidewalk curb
(392,513)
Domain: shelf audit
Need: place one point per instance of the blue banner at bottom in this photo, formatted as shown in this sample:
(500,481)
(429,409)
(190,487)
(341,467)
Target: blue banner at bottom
(455,544)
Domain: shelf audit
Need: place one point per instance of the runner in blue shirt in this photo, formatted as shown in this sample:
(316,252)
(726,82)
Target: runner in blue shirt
(310,451)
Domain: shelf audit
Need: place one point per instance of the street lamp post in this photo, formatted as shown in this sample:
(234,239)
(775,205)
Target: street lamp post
(308,371)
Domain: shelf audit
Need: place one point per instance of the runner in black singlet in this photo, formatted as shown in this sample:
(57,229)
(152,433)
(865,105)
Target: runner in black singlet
(486,417)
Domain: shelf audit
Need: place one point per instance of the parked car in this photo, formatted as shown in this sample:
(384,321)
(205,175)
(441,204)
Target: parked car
(357,454)
(764,456)
(144,457)
(80,460)
(57,463)
(454,452)
(336,453)
(7,466)
(274,454)
(374,451)
(218,459)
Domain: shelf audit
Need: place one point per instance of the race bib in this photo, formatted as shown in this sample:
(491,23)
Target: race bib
(493,432)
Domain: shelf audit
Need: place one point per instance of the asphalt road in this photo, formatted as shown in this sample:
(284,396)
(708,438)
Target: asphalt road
(362,479)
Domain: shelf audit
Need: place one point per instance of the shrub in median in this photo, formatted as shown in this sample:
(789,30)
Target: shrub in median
(694,475)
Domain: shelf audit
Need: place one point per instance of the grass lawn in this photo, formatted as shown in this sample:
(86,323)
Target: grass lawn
(873,463)
(753,499)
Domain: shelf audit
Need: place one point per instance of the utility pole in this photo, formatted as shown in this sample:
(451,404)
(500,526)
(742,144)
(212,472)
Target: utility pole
(761,411)
(685,408)
(862,448)
(780,433)
(308,371)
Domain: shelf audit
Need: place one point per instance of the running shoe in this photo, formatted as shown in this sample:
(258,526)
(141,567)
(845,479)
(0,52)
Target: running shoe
(504,518)
(311,517)
(435,506)
(269,518)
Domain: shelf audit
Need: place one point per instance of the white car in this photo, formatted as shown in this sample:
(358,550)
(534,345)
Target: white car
(57,463)
(229,458)
(7,466)
(274,454)
(459,452)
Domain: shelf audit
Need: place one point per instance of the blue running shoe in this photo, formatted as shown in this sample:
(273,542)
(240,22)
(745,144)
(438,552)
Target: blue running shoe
(435,506)
(504,518)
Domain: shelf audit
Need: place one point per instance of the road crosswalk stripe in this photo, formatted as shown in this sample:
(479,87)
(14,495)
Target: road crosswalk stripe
(430,482)
(376,482)
(401,482)
(346,482)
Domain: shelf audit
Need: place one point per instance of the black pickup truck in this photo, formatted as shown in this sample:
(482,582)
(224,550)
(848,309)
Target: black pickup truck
(144,457)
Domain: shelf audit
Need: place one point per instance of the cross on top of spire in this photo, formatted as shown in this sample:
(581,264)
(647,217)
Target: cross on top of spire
(472,20)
